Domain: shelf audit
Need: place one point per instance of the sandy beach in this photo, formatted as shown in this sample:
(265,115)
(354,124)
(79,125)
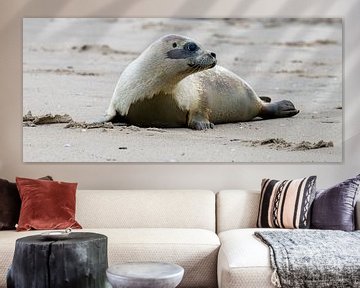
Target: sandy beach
(71,66)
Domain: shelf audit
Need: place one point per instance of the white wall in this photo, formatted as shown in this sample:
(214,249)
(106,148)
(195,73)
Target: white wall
(211,176)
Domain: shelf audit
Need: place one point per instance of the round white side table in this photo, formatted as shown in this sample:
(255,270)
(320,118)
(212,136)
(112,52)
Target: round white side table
(145,275)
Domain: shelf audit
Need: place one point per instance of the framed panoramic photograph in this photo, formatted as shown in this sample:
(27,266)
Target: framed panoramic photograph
(241,90)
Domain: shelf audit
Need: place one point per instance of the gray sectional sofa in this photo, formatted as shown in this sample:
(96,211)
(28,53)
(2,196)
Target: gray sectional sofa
(209,234)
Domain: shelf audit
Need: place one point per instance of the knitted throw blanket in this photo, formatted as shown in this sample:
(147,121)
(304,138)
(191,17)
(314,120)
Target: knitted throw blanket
(313,258)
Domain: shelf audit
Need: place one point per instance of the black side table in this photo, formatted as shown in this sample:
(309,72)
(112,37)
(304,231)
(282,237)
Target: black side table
(79,261)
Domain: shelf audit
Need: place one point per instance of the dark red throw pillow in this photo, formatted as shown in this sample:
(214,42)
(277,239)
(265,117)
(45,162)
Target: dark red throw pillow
(46,204)
(10,204)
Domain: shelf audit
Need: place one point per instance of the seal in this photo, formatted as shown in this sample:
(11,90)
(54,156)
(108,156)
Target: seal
(176,83)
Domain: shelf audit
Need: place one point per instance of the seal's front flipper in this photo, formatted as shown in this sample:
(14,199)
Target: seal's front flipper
(198,121)
(102,119)
(280,109)
(117,118)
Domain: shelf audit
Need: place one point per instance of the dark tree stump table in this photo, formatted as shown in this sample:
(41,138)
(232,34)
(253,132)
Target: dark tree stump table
(79,261)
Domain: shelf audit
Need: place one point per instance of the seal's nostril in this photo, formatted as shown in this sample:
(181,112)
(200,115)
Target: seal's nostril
(213,54)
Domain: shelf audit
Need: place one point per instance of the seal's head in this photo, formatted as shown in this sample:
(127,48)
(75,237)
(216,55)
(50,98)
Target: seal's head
(183,55)
(159,69)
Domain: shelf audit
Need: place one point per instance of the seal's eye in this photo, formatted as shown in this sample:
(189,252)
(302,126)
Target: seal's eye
(191,46)
(174,44)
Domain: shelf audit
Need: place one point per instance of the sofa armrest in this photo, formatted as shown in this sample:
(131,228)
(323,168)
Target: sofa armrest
(357,215)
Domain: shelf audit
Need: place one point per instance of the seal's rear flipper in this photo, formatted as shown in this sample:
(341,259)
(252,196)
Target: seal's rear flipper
(280,109)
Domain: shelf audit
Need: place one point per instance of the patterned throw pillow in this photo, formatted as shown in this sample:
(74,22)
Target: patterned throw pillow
(286,204)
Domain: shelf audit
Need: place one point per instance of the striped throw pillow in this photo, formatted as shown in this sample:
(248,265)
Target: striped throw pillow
(286,204)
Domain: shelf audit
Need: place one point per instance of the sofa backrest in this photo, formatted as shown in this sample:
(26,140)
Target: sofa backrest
(236,209)
(146,209)
(239,209)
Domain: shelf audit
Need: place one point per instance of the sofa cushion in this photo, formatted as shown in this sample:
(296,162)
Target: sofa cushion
(286,204)
(244,260)
(334,208)
(46,204)
(194,249)
(153,209)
